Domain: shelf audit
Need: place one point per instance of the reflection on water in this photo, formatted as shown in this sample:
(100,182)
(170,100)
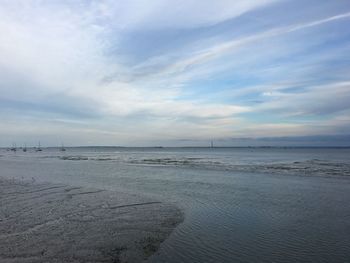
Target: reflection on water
(241,205)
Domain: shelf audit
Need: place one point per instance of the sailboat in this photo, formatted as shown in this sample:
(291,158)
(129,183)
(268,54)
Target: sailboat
(14,148)
(39,148)
(211,144)
(62,149)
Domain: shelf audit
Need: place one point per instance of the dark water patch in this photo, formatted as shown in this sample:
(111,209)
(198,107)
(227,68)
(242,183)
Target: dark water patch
(85,158)
(74,158)
(187,161)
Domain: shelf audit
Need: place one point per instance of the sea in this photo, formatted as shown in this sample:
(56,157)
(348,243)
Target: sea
(240,204)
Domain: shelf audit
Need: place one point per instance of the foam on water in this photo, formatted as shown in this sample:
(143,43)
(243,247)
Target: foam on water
(276,161)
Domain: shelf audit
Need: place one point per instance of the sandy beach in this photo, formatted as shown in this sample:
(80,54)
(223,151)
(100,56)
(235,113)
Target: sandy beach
(45,222)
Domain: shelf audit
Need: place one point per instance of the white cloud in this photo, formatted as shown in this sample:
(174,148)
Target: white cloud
(54,54)
(61,52)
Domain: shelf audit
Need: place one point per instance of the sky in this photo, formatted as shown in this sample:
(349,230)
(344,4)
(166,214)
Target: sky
(175,72)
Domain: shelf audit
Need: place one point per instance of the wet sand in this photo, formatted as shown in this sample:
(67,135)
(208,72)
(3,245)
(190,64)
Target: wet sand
(44,222)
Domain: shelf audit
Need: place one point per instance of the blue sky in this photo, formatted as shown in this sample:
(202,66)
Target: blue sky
(164,72)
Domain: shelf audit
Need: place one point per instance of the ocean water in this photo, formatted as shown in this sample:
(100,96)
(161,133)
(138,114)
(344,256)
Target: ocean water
(240,204)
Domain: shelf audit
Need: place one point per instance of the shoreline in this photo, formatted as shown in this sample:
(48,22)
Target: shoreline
(46,222)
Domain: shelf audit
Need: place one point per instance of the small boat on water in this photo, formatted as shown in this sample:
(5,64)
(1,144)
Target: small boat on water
(13,148)
(24,148)
(62,149)
(39,148)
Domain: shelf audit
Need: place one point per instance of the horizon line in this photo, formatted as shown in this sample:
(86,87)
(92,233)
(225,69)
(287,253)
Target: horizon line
(188,146)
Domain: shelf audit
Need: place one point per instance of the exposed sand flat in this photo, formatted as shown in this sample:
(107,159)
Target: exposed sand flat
(58,223)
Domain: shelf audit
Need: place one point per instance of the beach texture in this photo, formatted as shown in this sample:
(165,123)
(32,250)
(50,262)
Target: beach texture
(43,222)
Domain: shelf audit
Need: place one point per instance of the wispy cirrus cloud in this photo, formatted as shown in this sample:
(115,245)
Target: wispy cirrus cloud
(220,49)
(313,100)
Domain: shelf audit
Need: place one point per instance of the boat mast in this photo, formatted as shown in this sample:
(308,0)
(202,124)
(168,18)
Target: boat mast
(14,147)
(39,147)
(62,148)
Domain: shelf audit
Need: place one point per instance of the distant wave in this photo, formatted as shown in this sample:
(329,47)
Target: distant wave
(309,167)
(312,167)
(85,158)
(172,161)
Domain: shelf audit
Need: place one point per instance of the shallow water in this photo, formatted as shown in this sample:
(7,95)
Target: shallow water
(240,204)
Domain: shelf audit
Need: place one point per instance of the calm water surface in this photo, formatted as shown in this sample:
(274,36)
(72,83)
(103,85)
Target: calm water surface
(240,205)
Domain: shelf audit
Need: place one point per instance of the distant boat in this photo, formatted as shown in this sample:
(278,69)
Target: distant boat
(62,149)
(39,148)
(13,148)
(24,148)
(211,144)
